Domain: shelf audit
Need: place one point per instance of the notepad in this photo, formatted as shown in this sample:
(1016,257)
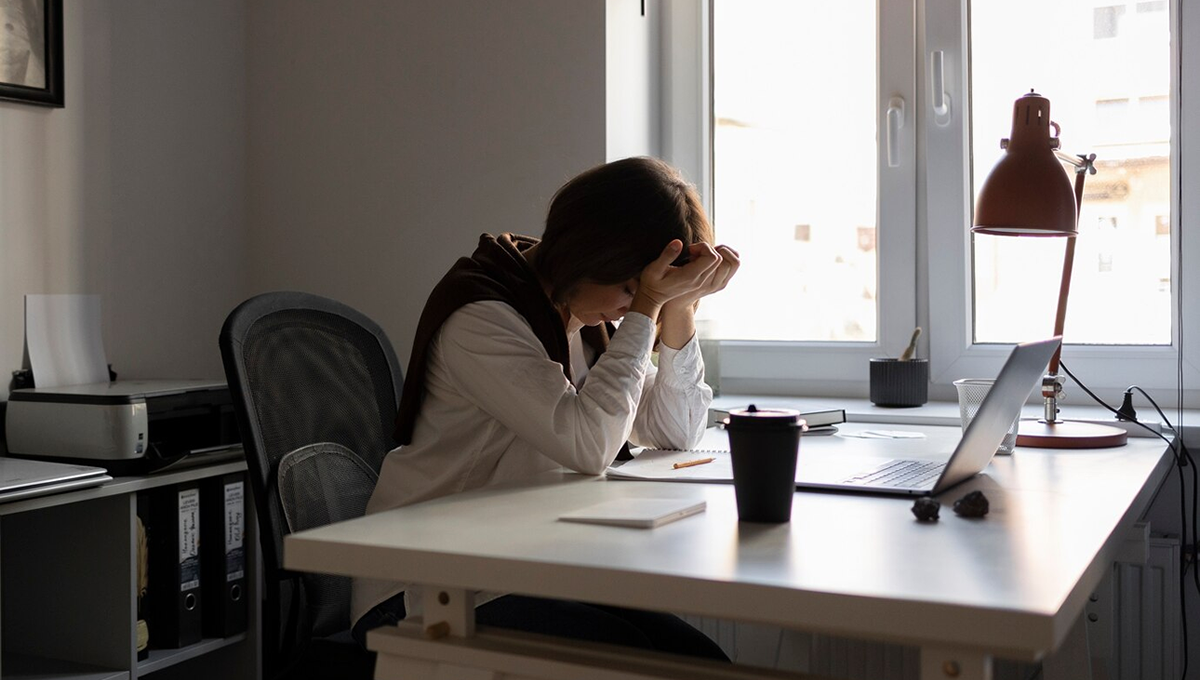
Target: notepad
(643,513)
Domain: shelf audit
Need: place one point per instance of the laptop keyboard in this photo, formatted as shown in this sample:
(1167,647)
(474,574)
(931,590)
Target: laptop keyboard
(900,474)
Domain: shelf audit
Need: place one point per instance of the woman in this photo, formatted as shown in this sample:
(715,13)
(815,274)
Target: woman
(514,373)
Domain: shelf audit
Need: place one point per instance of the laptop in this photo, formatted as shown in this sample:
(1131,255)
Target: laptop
(20,478)
(1021,374)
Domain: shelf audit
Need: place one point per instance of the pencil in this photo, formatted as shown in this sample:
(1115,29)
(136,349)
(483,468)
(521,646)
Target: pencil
(698,461)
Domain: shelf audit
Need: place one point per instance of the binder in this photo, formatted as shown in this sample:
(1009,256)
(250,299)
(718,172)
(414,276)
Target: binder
(223,555)
(174,610)
(143,576)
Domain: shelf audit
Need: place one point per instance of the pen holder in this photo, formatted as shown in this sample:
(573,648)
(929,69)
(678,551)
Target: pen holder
(899,383)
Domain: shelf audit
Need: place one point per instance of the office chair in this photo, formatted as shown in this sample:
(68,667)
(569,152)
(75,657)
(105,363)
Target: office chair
(315,385)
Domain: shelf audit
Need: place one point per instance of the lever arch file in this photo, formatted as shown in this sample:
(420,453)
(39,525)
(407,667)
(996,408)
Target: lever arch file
(174,613)
(223,564)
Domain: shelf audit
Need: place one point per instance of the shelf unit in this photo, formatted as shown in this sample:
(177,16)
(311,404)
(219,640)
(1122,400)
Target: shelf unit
(68,591)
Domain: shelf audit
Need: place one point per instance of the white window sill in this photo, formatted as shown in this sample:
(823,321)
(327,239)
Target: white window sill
(938,412)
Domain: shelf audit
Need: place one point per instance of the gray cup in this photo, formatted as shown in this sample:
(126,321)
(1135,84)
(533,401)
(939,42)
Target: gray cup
(763,445)
(895,382)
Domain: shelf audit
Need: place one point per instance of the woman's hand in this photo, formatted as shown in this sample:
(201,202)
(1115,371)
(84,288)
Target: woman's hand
(728,262)
(664,287)
(679,314)
(660,282)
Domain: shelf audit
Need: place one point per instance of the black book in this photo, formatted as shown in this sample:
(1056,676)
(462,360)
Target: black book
(815,418)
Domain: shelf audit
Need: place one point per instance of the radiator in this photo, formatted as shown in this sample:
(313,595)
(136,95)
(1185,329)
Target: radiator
(1133,634)
(1146,639)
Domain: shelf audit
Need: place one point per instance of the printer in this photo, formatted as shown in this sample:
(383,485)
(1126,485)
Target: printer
(127,427)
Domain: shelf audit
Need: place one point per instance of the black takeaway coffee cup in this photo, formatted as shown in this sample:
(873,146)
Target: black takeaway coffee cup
(763,444)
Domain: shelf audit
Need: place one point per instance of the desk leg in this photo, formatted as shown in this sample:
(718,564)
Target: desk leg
(943,663)
(449,611)
(1071,661)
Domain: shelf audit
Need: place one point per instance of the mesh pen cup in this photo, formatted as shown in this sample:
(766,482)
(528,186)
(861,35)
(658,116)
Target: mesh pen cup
(763,445)
(896,382)
(971,392)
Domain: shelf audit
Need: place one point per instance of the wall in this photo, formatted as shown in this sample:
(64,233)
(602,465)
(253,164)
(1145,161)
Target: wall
(136,190)
(214,149)
(384,137)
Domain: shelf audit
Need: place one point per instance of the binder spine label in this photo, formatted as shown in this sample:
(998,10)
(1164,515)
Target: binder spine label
(189,539)
(235,554)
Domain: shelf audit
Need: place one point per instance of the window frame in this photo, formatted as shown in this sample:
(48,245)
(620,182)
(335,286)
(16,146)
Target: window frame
(935,173)
(804,367)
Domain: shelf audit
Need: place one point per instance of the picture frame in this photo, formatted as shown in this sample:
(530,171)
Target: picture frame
(31,52)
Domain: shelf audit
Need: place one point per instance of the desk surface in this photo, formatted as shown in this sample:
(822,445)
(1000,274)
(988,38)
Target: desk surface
(1012,583)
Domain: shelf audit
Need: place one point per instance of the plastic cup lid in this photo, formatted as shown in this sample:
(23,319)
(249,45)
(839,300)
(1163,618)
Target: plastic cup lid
(752,416)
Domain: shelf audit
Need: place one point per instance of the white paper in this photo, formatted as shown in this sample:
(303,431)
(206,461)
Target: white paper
(62,333)
(885,434)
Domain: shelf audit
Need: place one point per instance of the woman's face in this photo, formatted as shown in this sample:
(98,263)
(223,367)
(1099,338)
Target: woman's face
(595,303)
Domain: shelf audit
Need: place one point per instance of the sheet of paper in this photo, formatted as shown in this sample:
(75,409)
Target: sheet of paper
(885,434)
(62,334)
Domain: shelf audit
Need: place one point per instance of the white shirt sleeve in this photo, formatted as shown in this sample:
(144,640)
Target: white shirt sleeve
(674,406)
(494,359)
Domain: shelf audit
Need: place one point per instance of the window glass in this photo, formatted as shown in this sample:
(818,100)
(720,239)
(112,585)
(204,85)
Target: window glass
(1106,71)
(794,155)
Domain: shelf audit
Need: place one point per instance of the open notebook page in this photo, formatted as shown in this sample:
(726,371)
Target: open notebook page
(659,464)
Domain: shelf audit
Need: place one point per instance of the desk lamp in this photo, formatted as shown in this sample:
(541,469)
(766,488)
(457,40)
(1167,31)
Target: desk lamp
(1028,194)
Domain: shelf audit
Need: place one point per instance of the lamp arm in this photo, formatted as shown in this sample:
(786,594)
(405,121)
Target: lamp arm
(1052,383)
(1083,167)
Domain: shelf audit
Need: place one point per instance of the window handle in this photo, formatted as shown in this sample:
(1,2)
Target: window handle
(895,121)
(937,88)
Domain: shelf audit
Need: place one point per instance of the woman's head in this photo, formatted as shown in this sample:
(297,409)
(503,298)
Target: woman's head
(607,224)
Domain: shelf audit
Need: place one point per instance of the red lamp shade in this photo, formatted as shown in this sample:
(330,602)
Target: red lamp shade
(1028,192)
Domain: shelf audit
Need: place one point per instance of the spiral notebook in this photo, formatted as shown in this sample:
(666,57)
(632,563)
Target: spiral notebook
(659,464)
(676,465)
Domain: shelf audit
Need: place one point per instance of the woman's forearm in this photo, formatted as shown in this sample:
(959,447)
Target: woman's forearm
(678,323)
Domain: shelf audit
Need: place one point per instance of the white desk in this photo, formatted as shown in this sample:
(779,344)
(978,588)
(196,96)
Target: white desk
(1011,585)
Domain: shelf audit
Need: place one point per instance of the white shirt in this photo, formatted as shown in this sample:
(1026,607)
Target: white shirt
(497,409)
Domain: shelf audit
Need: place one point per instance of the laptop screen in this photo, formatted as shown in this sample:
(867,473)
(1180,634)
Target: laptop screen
(1016,381)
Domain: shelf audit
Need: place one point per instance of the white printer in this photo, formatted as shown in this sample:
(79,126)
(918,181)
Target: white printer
(127,427)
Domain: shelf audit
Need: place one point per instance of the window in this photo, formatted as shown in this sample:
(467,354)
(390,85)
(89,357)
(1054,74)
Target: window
(782,157)
(872,212)
(1115,94)
(812,178)
(1104,107)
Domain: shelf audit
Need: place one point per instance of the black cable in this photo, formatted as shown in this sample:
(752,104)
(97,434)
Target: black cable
(1179,307)
(1182,458)
(1194,548)
(1192,551)
(1183,569)
(1160,435)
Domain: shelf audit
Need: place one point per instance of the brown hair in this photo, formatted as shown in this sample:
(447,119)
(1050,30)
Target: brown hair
(605,225)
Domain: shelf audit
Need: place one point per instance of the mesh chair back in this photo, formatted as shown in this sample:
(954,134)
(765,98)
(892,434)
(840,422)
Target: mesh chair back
(320,484)
(303,369)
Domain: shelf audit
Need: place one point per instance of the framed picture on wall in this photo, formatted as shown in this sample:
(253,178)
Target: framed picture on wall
(31,51)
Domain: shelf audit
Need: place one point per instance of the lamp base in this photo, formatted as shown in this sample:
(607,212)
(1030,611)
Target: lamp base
(1067,434)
